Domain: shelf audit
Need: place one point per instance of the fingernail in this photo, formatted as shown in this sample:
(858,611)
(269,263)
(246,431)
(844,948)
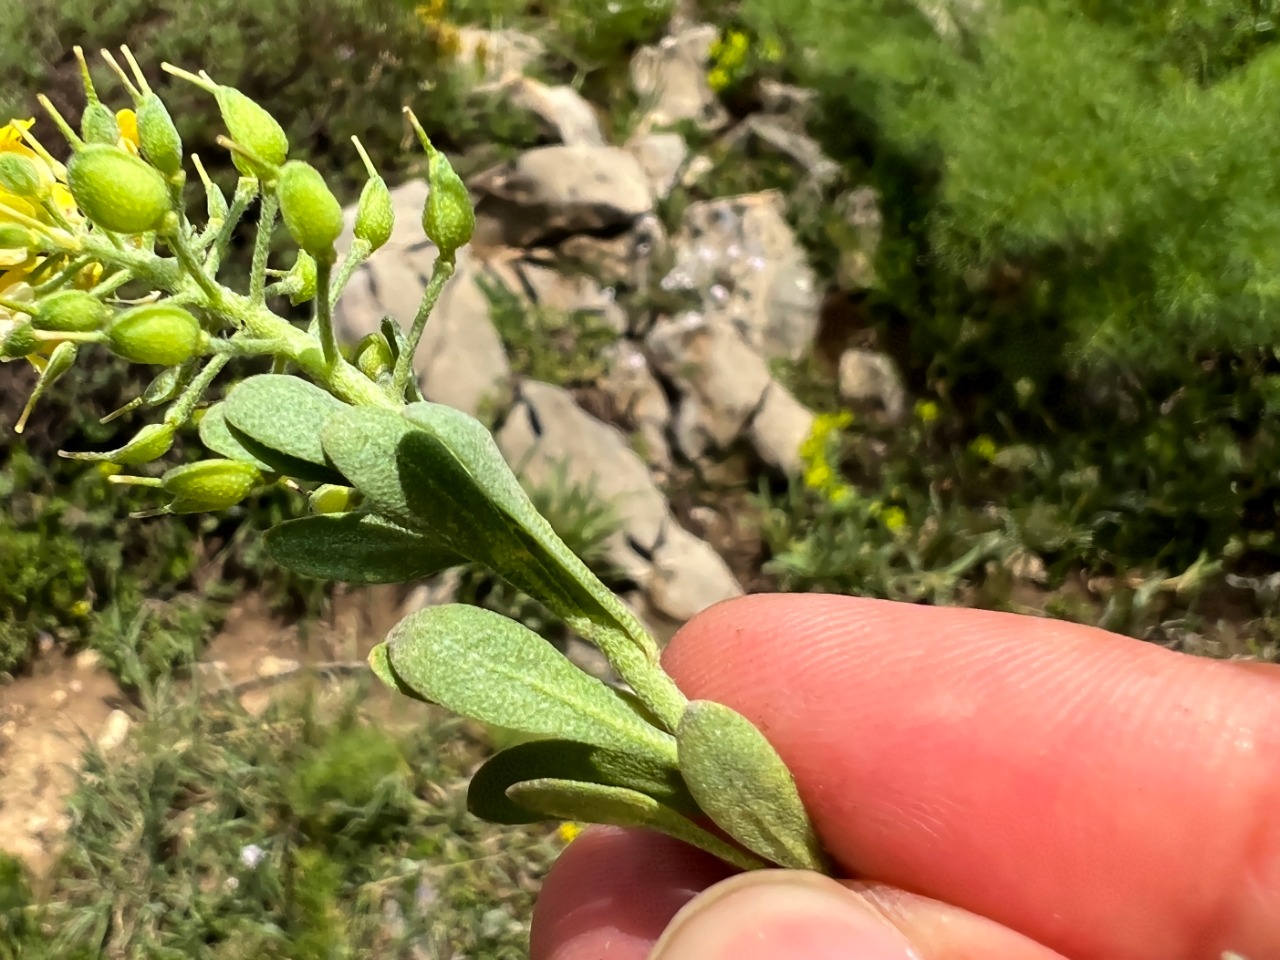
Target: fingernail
(781,915)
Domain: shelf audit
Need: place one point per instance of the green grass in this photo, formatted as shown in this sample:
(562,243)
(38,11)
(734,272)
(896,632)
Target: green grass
(330,827)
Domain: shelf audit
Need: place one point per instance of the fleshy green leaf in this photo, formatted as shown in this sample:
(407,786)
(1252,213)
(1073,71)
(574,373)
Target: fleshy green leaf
(737,777)
(217,436)
(485,666)
(620,807)
(278,418)
(568,760)
(356,548)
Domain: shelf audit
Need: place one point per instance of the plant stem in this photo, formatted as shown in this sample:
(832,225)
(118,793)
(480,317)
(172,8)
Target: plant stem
(322,320)
(440,275)
(262,245)
(179,411)
(246,190)
(357,255)
(194,268)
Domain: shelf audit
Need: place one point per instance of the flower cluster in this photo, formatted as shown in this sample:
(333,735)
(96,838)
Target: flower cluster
(102,251)
(818,455)
(731,55)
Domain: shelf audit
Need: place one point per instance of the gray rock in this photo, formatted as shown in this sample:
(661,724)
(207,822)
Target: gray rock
(871,381)
(544,286)
(720,378)
(662,156)
(624,260)
(637,393)
(742,258)
(788,102)
(670,79)
(549,192)
(778,428)
(562,112)
(688,576)
(495,57)
(781,136)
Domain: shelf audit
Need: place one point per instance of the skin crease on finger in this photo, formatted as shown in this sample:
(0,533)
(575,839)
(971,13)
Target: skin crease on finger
(1107,798)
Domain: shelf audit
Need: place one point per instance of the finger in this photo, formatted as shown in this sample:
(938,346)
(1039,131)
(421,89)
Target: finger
(612,892)
(614,895)
(1103,796)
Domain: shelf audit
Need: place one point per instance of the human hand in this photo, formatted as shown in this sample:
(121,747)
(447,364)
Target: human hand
(1004,788)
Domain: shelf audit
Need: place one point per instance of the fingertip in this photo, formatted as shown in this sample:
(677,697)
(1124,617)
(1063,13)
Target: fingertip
(613,891)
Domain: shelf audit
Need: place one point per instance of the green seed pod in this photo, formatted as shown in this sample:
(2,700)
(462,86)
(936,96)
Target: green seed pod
(331,498)
(375,217)
(98,124)
(17,340)
(303,277)
(161,143)
(310,210)
(254,129)
(151,443)
(209,485)
(448,218)
(373,356)
(71,311)
(20,177)
(116,190)
(158,333)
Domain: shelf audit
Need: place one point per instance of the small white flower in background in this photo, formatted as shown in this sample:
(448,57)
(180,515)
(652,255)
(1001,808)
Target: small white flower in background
(232,883)
(252,855)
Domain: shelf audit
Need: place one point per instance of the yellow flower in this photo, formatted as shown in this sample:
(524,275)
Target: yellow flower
(718,79)
(568,831)
(926,411)
(894,519)
(984,447)
(127,121)
(818,475)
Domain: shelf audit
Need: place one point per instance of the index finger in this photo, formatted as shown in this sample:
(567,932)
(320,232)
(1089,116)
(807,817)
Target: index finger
(1108,798)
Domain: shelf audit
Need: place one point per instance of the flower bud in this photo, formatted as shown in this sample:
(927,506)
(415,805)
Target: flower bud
(59,362)
(303,278)
(20,177)
(375,217)
(71,311)
(331,498)
(158,333)
(209,485)
(448,219)
(159,138)
(254,129)
(98,124)
(151,443)
(116,190)
(310,210)
(373,356)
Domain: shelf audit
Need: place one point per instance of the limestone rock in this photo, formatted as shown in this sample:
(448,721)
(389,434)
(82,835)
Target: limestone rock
(641,399)
(495,57)
(550,192)
(778,428)
(563,114)
(688,575)
(662,156)
(740,255)
(871,381)
(670,79)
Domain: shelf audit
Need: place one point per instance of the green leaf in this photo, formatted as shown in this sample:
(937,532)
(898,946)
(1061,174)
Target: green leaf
(568,760)
(437,470)
(217,436)
(356,548)
(278,418)
(620,807)
(482,665)
(737,777)
(380,663)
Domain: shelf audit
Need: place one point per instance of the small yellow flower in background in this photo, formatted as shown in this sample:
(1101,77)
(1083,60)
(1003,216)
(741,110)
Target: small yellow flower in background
(771,50)
(718,79)
(984,447)
(927,411)
(894,519)
(568,831)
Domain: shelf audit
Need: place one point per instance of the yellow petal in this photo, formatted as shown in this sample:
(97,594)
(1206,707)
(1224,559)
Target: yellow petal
(11,133)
